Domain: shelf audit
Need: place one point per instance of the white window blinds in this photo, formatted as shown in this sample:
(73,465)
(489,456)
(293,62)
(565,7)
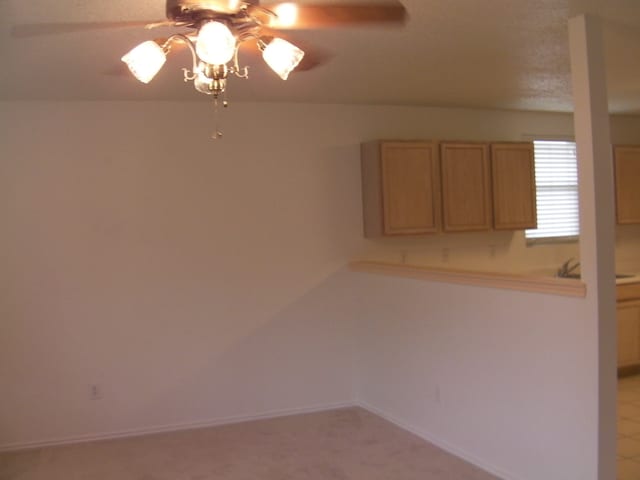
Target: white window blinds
(557,190)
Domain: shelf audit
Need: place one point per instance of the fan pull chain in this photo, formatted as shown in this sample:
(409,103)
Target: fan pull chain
(217,134)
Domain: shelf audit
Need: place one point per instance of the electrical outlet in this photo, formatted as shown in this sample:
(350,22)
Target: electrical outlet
(95,392)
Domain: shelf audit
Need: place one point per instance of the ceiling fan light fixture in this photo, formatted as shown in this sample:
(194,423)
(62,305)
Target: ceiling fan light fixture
(145,60)
(216,44)
(282,57)
(218,28)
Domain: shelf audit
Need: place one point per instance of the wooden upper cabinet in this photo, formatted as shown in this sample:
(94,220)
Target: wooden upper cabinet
(412,188)
(514,186)
(466,187)
(400,188)
(627,176)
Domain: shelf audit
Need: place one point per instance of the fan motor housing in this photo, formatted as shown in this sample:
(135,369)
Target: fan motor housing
(195,10)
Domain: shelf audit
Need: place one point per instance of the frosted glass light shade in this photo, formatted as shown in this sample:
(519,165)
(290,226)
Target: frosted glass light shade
(145,60)
(282,57)
(215,44)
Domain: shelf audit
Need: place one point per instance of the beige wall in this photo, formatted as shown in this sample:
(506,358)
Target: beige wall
(192,280)
(199,281)
(501,378)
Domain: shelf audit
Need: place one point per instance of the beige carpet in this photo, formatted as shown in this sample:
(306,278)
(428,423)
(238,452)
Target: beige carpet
(345,444)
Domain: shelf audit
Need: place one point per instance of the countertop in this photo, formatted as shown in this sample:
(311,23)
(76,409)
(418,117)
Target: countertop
(624,281)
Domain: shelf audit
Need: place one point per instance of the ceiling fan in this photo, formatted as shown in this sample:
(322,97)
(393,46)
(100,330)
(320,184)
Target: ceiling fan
(215,30)
(218,28)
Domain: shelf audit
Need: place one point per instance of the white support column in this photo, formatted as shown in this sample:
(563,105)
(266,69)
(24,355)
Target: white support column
(597,226)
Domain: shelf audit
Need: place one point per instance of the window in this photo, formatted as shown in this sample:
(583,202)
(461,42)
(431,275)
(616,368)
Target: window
(556,191)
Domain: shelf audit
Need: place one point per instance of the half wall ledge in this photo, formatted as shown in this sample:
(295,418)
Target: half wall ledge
(566,287)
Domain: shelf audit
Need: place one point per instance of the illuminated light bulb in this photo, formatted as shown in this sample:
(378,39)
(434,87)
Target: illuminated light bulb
(287,15)
(215,44)
(282,57)
(145,60)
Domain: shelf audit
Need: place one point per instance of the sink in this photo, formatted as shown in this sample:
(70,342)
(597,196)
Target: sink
(570,269)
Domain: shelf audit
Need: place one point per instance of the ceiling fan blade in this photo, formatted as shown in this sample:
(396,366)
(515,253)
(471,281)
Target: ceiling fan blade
(41,29)
(313,58)
(316,16)
(117,70)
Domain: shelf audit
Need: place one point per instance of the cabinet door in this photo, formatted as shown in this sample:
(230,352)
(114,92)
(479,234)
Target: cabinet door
(400,188)
(628,316)
(627,176)
(466,187)
(409,188)
(514,186)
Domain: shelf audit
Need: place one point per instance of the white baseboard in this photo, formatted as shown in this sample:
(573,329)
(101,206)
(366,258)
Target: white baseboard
(172,427)
(439,443)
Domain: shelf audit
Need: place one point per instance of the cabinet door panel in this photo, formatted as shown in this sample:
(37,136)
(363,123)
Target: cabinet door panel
(514,186)
(466,195)
(627,176)
(628,335)
(410,188)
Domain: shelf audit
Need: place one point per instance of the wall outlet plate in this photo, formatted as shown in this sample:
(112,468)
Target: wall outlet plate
(95,392)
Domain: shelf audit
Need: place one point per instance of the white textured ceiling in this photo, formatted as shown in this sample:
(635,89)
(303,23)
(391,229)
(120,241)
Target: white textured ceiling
(510,54)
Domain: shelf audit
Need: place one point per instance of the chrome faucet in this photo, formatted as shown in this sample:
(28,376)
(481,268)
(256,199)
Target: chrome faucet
(567,267)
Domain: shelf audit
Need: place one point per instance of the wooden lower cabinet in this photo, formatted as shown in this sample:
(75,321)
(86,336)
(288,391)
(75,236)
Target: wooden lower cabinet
(628,318)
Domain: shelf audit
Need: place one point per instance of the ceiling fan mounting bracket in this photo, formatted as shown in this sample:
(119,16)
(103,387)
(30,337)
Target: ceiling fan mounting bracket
(196,11)
(245,20)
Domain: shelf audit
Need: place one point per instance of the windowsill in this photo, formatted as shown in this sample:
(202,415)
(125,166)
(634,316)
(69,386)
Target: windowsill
(505,281)
(532,242)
